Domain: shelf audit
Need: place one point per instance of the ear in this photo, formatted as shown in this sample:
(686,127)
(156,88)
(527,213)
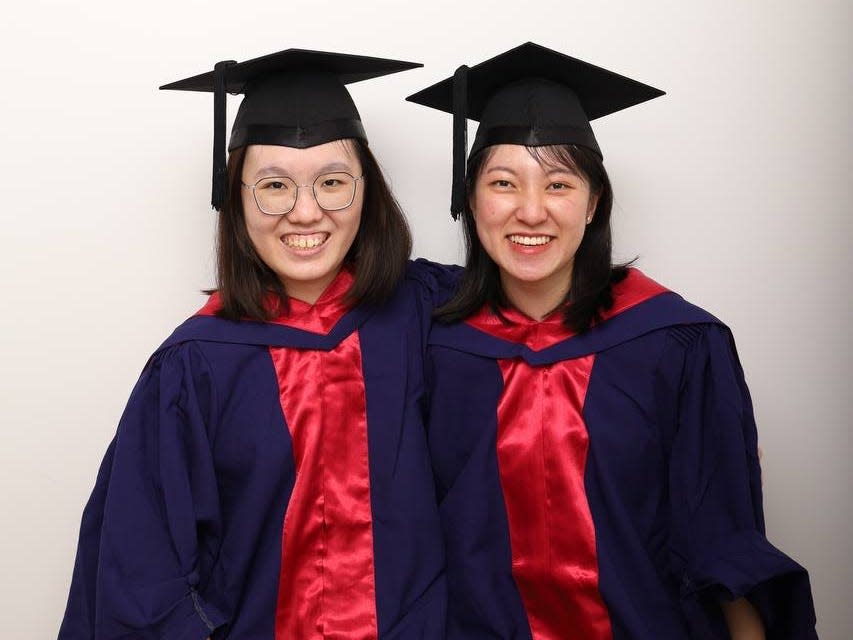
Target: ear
(590,210)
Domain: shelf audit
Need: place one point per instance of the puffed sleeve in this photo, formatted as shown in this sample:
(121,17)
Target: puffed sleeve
(719,548)
(438,281)
(137,573)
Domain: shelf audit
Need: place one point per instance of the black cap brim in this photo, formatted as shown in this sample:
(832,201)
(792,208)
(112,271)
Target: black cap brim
(601,92)
(348,68)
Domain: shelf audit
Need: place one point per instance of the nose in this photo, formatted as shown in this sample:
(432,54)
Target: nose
(531,209)
(306,210)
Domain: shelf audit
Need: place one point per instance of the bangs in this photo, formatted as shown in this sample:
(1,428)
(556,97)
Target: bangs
(348,146)
(558,156)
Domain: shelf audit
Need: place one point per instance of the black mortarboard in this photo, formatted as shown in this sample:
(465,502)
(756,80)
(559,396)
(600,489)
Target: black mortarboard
(529,95)
(294,98)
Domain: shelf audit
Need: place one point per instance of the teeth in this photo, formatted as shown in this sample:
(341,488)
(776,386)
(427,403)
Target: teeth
(530,240)
(304,242)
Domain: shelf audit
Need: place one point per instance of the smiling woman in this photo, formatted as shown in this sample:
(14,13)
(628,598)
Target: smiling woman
(295,216)
(270,475)
(591,432)
(302,242)
(530,212)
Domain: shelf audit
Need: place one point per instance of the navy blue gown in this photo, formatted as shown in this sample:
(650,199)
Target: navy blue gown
(602,485)
(270,480)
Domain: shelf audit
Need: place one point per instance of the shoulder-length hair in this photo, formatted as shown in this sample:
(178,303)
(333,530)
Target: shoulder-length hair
(593,272)
(377,256)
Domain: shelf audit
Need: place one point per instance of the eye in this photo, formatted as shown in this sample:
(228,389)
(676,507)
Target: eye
(273,184)
(559,186)
(331,182)
(501,184)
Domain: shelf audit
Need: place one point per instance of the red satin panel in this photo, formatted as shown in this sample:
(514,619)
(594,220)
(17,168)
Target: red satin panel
(633,290)
(637,287)
(542,448)
(326,585)
(319,317)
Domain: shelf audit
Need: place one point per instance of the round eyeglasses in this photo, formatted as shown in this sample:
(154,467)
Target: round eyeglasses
(277,195)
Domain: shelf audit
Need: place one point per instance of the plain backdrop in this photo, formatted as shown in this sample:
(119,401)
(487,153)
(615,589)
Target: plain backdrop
(733,189)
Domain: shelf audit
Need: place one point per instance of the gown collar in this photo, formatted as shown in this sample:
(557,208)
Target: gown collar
(537,335)
(318,318)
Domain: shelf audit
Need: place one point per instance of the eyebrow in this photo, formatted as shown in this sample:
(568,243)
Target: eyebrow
(275,170)
(550,172)
(271,170)
(507,169)
(335,166)
(567,170)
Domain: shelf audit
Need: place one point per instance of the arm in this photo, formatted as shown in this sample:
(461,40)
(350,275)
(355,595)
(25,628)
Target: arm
(743,620)
(719,549)
(138,571)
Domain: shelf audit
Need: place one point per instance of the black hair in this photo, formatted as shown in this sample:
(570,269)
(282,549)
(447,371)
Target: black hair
(593,272)
(378,254)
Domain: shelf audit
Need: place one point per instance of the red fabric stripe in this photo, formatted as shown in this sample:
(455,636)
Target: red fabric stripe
(326,585)
(633,290)
(542,448)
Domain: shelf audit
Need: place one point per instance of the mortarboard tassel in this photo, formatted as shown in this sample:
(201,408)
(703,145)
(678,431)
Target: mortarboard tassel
(217,197)
(460,140)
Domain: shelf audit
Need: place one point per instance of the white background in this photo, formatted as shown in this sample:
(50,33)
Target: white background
(733,189)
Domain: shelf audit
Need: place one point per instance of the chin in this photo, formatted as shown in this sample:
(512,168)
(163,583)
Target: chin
(529,275)
(307,273)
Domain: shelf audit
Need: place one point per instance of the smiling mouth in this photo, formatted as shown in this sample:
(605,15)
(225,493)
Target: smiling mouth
(530,241)
(304,241)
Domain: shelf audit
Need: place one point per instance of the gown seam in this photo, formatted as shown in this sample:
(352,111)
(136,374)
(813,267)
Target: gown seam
(200,611)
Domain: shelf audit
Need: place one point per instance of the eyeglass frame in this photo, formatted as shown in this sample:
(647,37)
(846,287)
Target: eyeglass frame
(302,186)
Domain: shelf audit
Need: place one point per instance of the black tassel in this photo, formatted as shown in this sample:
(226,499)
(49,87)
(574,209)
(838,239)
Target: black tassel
(460,140)
(217,197)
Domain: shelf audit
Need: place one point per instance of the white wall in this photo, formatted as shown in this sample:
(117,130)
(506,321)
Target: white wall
(733,189)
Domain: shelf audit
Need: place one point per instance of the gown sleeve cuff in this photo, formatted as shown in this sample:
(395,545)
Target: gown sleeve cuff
(193,619)
(745,564)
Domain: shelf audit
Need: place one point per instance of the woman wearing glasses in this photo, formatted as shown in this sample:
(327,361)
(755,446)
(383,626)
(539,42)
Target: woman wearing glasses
(591,432)
(270,475)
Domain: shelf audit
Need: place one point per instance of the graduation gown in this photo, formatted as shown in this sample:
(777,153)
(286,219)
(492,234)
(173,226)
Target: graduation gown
(602,485)
(270,480)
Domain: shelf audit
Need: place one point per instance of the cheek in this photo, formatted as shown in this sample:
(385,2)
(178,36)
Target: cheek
(352,229)
(490,220)
(259,226)
(352,222)
(248,201)
(250,212)
(576,229)
(589,206)
(490,235)
(573,217)
(496,210)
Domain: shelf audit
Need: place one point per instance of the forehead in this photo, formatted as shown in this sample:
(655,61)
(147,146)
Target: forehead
(506,154)
(338,155)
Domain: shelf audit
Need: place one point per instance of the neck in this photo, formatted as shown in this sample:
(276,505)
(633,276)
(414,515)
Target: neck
(310,292)
(536,299)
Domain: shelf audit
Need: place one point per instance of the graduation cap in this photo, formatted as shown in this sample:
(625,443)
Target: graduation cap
(293,98)
(529,95)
